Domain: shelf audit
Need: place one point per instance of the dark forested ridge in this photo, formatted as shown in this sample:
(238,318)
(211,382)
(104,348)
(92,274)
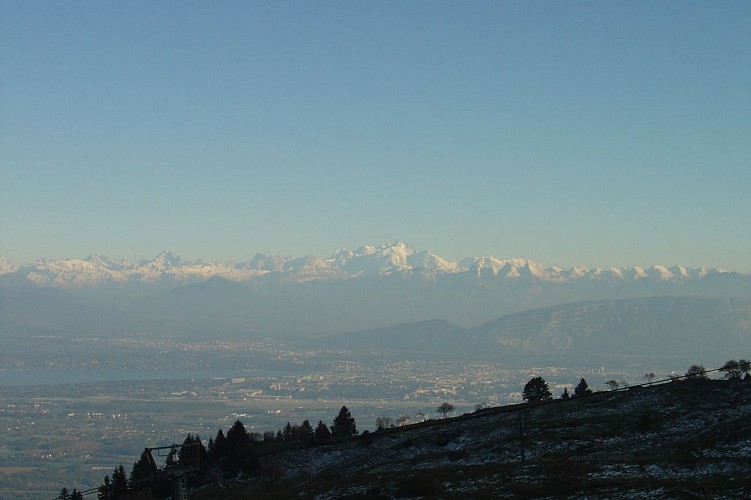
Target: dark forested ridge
(665,440)
(661,439)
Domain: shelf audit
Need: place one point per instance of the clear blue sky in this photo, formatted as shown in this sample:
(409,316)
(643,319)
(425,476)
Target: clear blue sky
(571,133)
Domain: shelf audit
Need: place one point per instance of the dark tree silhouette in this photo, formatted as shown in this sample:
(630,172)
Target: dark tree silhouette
(119,482)
(239,448)
(287,432)
(73,495)
(696,372)
(269,437)
(582,389)
(565,394)
(304,432)
(192,453)
(322,432)
(650,377)
(344,425)
(105,490)
(171,461)
(220,445)
(744,365)
(536,390)
(732,369)
(141,471)
(384,423)
(445,409)
(237,436)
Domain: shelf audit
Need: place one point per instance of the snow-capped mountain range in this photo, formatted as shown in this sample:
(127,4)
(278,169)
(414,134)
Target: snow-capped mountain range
(391,259)
(351,290)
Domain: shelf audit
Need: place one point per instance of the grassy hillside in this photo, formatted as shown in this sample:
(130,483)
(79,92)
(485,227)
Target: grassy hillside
(675,440)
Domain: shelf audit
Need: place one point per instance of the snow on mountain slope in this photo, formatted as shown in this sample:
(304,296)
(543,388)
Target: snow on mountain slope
(6,266)
(389,259)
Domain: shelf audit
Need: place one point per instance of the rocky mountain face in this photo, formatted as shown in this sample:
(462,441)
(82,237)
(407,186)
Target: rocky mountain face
(675,440)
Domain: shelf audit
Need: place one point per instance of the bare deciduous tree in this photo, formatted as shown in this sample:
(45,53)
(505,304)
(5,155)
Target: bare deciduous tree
(445,409)
(696,372)
(384,423)
(734,370)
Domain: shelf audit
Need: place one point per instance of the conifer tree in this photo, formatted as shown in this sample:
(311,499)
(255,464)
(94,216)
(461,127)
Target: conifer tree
(322,432)
(238,441)
(220,445)
(582,389)
(119,482)
(305,431)
(287,432)
(105,490)
(344,425)
(239,447)
(192,453)
(536,390)
(141,471)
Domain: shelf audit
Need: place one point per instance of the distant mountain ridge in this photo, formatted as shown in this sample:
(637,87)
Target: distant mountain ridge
(395,258)
(311,297)
(658,327)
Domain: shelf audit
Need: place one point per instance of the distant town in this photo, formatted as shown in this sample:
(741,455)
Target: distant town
(104,407)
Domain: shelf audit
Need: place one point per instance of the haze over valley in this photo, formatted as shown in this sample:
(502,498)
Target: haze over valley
(284,297)
(571,183)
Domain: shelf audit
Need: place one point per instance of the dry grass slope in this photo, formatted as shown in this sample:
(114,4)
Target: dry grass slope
(674,440)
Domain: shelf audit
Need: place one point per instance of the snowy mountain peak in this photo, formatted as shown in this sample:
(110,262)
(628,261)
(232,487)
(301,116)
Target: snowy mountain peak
(510,268)
(6,266)
(104,262)
(395,258)
(165,260)
(661,273)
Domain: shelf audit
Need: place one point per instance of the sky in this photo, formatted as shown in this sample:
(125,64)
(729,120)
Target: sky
(570,133)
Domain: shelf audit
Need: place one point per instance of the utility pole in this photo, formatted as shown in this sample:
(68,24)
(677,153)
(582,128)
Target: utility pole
(521,435)
(176,474)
